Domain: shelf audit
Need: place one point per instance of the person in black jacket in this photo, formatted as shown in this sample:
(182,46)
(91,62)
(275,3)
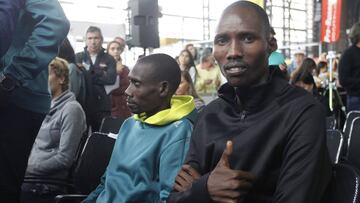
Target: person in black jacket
(100,70)
(349,70)
(262,140)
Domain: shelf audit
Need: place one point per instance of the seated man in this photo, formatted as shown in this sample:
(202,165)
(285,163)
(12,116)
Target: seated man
(262,140)
(151,145)
(53,152)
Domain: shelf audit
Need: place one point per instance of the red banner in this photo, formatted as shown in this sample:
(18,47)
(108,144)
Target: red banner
(330,20)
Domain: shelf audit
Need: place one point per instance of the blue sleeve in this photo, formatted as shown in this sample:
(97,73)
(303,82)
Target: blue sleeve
(50,28)
(9,13)
(172,158)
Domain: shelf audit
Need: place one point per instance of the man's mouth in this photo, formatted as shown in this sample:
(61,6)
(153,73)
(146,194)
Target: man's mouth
(235,68)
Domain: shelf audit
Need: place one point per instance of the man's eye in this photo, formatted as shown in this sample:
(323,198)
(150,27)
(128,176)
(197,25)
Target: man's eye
(220,41)
(248,38)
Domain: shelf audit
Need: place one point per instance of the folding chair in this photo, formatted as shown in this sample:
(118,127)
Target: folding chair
(111,124)
(347,128)
(93,162)
(334,141)
(354,143)
(349,118)
(344,187)
(91,166)
(330,122)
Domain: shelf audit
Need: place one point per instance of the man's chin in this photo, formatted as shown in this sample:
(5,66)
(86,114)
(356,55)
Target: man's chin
(236,82)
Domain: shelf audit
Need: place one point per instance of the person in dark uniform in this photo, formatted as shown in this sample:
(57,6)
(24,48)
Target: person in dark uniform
(262,140)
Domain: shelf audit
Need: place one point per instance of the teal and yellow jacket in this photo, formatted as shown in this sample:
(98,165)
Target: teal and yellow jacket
(147,155)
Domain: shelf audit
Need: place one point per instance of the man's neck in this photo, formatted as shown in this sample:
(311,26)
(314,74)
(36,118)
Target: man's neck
(92,53)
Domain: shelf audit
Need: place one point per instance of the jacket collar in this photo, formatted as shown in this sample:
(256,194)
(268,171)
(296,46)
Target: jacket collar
(60,101)
(87,55)
(180,107)
(254,98)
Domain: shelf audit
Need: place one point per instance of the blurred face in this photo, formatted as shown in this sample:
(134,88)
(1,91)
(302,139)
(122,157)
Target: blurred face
(93,42)
(143,95)
(323,69)
(184,58)
(241,47)
(54,83)
(210,62)
(192,50)
(115,50)
(183,88)
(299,58)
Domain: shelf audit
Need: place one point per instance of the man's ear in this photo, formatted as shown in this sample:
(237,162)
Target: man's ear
(272,44)
(164,88)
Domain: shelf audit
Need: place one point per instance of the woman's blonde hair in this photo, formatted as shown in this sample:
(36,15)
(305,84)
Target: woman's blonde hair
(61,70)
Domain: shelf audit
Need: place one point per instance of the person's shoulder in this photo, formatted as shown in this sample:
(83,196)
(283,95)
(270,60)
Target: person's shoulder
(298,100)
(80,54)
(29,3)
(216,105)
(72,67)
(73,107)
(291,94)
(186,121)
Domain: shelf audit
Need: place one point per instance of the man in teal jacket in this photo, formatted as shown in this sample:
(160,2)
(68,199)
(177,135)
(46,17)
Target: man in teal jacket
(24,96)
(151,145)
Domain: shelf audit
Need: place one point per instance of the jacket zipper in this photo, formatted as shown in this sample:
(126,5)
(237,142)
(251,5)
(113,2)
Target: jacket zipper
(243,115)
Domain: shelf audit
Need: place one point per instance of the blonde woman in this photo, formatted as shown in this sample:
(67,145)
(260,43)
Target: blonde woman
(55,146)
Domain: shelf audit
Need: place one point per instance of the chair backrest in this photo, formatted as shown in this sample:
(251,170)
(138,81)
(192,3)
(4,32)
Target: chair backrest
(334,141)
(349,118)
(111,124)
(354,143)
(69,198)
(78,153)
(344,186)
(93,162)
(331,122)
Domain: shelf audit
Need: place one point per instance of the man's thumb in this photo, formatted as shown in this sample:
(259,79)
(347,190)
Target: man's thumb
(224,160)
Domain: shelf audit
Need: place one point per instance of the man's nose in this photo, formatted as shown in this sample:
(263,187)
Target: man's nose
(127,91)
(235,50)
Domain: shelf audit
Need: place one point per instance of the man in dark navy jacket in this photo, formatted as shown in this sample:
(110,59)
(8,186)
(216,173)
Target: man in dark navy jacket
(262,140)
(31,32)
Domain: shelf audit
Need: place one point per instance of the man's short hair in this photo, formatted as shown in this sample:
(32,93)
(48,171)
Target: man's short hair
(95,29)
(260,11)
(355,33)
(164,68)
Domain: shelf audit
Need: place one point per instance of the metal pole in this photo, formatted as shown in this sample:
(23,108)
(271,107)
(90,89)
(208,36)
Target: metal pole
(331,56)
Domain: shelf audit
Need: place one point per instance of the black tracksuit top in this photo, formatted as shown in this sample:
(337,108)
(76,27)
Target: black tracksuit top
(278,134)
